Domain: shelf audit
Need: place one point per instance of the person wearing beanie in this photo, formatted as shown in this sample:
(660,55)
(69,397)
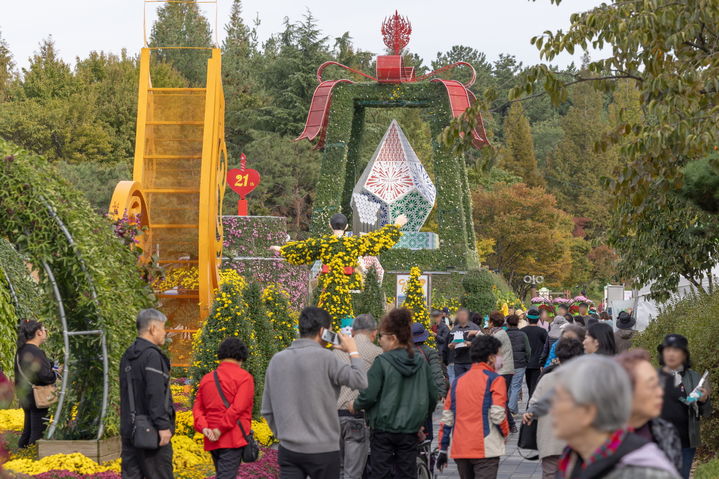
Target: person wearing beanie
(679,409)
(625,332)
(537,337)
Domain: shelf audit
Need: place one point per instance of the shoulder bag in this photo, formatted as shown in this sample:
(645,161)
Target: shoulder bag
(45,396)
(144,432)
(251,451)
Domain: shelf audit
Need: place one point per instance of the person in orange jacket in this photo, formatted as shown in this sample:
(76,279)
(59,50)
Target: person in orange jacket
(224,400)
(476,402)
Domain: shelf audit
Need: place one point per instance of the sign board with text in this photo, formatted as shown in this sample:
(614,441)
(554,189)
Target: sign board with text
(401,289)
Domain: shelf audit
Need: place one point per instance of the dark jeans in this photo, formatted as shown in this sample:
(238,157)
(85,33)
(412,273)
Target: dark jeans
(461,368)
(532,380)
(687,459)
(478,468)
(296,465)
(34,426)
(146,463)
(227,461)
(508,384)
(393,455)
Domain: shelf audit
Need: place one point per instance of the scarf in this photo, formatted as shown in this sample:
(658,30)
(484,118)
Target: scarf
(677,374)
(570,460)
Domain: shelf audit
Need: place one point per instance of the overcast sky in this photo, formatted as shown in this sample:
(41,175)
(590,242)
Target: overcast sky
(491,26)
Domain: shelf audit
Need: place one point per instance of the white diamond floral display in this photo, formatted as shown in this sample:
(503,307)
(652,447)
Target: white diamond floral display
(393,183)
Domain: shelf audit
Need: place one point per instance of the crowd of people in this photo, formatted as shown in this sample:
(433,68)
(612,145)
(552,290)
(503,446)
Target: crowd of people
(358,406)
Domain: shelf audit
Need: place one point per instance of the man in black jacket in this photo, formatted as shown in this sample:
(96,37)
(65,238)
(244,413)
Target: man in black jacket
(149,370)
(441,333)
(522,351)
(537,337)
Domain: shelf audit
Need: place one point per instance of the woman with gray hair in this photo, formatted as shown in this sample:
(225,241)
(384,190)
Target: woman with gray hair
(590,410)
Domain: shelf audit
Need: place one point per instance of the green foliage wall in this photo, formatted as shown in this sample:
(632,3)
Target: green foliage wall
(693,317)
(97,263)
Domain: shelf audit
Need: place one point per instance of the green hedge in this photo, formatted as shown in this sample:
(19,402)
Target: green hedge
(695,318)
(478,295)
(97,277)
(20,299)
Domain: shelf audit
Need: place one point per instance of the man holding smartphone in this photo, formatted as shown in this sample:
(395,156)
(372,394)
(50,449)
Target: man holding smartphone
(302,386)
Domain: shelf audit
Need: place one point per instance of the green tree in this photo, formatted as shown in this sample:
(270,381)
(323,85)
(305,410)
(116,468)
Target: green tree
(371,300)
(416,301)
(243,92)
(532,235)
(183,25)
(518,155)
(669,50)
(665,243)
(6,68)
(574,170)
(290,171)
(48,76)
(289,74)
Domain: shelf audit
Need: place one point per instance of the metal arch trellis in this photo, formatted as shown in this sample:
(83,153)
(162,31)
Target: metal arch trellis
(67,334)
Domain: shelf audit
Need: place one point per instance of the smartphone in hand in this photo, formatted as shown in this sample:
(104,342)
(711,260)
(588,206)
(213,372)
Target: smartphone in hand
(330,337)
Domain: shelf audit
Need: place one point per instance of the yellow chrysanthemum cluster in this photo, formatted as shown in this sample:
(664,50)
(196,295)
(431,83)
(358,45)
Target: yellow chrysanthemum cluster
(439,303)
(263,433)
(416,302)
(340,254)
(183,277)
(284,320)
(11,419)
(74,462)
(184,424)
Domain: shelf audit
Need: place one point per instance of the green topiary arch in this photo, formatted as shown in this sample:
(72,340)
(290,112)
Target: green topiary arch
(87,275)
(340,169)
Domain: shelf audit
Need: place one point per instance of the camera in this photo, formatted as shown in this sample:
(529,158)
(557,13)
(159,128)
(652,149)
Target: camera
(331,337)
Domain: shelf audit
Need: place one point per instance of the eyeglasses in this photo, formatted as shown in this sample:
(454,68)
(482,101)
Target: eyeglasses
(384,334)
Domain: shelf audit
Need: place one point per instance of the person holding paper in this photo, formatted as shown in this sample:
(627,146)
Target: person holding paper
(461,338)
(679,383)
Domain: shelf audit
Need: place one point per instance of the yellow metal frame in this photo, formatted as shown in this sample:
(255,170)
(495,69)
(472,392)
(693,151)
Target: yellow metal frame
(130,196)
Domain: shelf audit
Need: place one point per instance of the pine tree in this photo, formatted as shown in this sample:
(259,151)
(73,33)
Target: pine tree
(416,302)
(183,25)
(243,92)
(6,68)
(289,75)
(263,331)
(371,299)
(47,75)
(518,155)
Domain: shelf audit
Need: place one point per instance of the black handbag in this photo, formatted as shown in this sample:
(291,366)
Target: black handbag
(251,452)
(528,438)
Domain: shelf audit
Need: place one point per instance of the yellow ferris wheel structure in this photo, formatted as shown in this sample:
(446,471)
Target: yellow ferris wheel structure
(176,191)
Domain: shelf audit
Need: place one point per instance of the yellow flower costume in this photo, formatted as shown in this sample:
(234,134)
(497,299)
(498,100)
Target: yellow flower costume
(339,259)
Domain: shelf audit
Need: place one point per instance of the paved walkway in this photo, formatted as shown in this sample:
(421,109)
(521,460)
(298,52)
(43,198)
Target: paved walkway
(511,466)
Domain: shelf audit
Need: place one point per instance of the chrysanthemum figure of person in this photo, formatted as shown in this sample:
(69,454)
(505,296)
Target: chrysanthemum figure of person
(339,255)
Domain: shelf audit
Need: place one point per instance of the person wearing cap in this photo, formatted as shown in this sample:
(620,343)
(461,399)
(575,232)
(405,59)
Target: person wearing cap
(441,333)
(537,337)
(679,382)
(354,433)
(625,332)
(419,336)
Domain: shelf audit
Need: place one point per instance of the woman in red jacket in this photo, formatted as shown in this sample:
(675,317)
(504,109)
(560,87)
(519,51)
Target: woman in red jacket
(217,417)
